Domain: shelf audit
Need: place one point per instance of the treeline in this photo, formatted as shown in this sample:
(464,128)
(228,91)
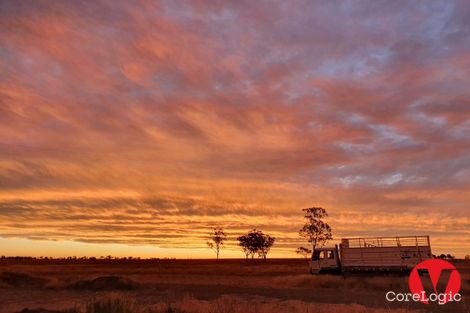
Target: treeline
(444,256)
(75,258)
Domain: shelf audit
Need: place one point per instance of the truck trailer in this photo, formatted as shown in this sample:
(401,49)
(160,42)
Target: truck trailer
(372,254)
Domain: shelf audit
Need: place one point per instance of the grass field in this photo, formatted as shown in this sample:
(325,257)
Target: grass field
(278,285)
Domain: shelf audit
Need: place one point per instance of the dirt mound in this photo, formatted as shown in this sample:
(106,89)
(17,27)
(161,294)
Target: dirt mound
(105,283)
(22,280)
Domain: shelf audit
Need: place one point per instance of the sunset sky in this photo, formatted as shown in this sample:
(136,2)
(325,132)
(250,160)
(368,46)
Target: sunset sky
(133,127)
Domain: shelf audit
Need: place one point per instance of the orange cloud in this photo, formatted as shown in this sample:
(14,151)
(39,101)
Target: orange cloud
(148,123)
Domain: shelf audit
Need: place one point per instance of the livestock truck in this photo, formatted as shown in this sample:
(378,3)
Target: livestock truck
(373,254)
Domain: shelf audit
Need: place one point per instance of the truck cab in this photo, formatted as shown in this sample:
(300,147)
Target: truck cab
(325,260)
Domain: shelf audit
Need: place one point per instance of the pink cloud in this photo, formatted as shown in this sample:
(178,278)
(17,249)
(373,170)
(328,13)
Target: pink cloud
(229,110)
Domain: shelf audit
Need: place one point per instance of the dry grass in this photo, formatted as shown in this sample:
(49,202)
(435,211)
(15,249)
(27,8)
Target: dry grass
(22,280)
(337,282)
(112,304)
(226,304)
(229,304)
(104,283)
(230,286)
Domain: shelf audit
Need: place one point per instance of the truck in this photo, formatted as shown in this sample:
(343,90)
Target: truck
(372,254)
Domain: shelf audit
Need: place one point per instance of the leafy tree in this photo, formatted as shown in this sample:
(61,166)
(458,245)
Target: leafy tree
(316,230)
(250,243)
(245,245)
(265,245)
(303,251)
(256,242)
(216,240)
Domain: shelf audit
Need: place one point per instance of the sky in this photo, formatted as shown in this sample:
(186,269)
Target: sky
(134,127)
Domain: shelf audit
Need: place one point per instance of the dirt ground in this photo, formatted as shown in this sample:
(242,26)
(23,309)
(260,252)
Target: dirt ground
(276,285)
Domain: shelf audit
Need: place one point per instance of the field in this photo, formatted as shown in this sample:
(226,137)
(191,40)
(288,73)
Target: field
(187,286)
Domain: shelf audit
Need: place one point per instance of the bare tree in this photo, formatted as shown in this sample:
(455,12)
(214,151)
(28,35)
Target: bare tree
(316,230)
(216,240)
(303,251)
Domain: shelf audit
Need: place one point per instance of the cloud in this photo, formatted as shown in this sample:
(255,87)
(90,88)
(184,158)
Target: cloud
(115,116)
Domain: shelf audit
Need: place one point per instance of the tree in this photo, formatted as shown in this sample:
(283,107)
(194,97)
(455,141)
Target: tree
(467,257)
(245,245)
(316,231)
(256,242)
(303,251)
(250,243)
(216,240)
(265,245)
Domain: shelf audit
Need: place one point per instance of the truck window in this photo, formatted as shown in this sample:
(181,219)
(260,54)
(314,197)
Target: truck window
(331,255)
(316,255)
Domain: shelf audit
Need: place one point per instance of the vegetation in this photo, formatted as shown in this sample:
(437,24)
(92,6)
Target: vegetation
(216,240)
(111,304)
(316,231)
(197,286)
(444,256)
(224,304)
(256,242)
(303,251)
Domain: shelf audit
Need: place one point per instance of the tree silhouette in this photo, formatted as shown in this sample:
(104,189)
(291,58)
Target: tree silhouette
(303,251)
(265,245)
(256,242)
(246,245)
(216,240)
(315,230)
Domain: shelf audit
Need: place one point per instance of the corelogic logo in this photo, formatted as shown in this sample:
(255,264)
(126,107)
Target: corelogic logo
(439,283)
